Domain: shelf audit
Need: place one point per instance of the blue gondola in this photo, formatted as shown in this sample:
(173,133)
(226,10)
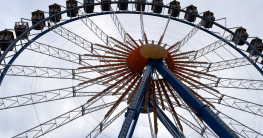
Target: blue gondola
(89,8)
(54,9)
(257,43)
(106,6)
(242,33)
(210,16)
(156,8)
(174,4)
(123,6)
(21,27)
(70,5)
(190,17)
(6,37)
(140,6)
(38,16)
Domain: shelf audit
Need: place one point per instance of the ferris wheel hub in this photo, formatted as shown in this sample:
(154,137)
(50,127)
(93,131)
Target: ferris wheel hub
(139,57)
(153,51)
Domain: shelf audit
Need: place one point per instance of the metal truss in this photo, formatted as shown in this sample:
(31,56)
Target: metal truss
(142,25)
(226,64)
(235,103)
(188,36)
(83,43)
(106,124)
(96,30)
(235,83)
(210,48)
(241,129)
(202,128)
(61,120)
(46,96)
(11,53)
(61,54)
(196,128)
(235,125)
(119,26)
(57,53)
(45,72)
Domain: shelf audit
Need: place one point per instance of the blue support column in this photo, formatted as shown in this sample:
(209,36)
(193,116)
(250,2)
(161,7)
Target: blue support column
(138,115)
(203,111)
(167,122)
(136,99)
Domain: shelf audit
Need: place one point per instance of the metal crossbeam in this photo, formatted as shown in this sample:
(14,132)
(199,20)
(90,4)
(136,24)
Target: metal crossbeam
(235,103)
(96,30)
(239,128)
(142,25)
(235,83)
(119,27)
(61,120)
(74,38)
(188,36)
(45,72)
(46,96)
(61,54)
(210,48)
(106,124)
(227,64)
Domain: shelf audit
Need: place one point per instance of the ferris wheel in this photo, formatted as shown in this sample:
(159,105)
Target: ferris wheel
(129,69)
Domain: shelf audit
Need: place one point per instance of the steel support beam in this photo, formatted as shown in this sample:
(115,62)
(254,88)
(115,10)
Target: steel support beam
(135,102)
(203,111)
(174,131)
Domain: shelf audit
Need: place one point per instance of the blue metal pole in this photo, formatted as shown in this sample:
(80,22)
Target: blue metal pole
(138,115)
(203,111)
(167,122)
(136,99)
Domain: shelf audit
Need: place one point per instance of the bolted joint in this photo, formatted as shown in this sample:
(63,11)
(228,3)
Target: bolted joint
(199,113)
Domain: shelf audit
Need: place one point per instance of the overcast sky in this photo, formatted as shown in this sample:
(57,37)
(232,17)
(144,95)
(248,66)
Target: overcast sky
(247,14)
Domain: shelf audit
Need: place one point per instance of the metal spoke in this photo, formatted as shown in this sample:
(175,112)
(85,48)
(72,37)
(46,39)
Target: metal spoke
(227,64)
(238,127)
(235,83)
(187,37)
(74,38)
(119,26)
(150,123)
(236,103)
(142,25)
(46,96)
(210,48)
(96,30)
(106,124)
(45,72)
(62,120)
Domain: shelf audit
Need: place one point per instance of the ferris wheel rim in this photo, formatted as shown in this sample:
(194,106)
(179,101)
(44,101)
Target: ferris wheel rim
(105,13)
(129,2)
